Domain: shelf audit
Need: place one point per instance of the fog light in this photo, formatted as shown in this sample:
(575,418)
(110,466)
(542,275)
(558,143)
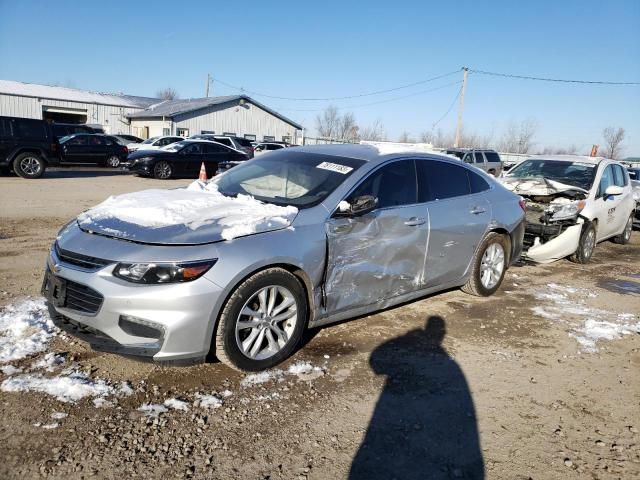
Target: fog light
(139,327)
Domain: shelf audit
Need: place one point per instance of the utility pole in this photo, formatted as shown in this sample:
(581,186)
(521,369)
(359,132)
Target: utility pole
(208,83)
(461,107)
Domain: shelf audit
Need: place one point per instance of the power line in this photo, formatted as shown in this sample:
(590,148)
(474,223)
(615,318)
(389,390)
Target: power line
(422,92)
(449,109)
(368,94)
(545,79)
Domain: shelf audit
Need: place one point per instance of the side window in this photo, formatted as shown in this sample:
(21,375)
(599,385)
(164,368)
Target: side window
(393,185)
(479,157)
(78,140)
(442,180)
(492,157)
(94,140)
(213,148)
(606,181)
(468,157)
(619,178)
(224,141)
(193,149)
(477,183)
(30,129)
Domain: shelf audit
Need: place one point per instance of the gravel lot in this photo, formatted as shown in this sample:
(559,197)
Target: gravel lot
(520,385)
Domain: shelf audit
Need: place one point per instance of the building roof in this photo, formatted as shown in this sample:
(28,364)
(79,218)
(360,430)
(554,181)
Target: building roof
(172,108)
(22,89)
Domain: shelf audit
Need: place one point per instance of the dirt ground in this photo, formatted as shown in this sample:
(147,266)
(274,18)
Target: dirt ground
(450,386)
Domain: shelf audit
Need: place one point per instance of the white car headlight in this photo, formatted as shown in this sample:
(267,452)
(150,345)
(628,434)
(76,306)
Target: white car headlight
(566,211)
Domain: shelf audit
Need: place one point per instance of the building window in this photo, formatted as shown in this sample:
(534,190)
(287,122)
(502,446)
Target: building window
(207,132)
(166,132)
(269,138)
(229,134)
(182,132)
(286,138)
(251,138)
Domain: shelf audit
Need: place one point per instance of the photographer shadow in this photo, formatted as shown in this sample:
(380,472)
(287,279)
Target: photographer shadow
(424,424)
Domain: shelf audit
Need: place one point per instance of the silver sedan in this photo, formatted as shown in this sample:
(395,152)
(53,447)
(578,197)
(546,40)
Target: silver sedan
(295,239)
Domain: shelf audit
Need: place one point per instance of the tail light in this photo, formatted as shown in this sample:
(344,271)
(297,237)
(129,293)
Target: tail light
(523,205)
(125,149)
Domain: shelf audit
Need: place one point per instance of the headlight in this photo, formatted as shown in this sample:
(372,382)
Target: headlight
(144,159)
(153,273)
(566,211)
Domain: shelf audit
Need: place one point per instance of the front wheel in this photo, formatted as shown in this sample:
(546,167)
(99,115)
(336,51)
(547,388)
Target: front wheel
(162,170)
(29,165)
(113,161)
(586,245)
(489,266)
(262,322)
(625,236)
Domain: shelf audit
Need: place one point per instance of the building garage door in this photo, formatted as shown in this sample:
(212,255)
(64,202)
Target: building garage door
(64,115)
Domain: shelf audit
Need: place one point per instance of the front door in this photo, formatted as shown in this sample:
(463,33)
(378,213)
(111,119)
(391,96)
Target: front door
(381,254)
(610,216)
(76,150)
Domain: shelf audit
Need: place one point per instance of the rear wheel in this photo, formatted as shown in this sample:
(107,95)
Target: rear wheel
(113,161)
(162,170)
(489,266)
(29,165)
(625,236)
(262,322)
(586,245)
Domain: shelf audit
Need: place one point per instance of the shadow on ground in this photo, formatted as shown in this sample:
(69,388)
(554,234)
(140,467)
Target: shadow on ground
(424,424)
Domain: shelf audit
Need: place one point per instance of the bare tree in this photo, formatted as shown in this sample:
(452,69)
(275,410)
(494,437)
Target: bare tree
(405,137)
(374,132)
(518,138)
(570,150)
(613,138)
(347,128)
(327,123)
(167,94)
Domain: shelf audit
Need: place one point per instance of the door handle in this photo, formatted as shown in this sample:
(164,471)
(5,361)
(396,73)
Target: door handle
(415,221)
(477,210)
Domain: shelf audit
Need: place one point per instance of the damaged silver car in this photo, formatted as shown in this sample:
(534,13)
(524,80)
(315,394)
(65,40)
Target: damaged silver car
(572,204)
(298,238)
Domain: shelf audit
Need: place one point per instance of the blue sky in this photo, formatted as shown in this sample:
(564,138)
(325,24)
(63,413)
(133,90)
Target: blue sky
(325,49)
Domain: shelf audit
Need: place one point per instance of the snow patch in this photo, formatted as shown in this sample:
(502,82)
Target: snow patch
(49,362)
(71,388)
(208,401)
(176,404)
(152,410)
(25,329)
(59,415)
(9,370)
(261,377)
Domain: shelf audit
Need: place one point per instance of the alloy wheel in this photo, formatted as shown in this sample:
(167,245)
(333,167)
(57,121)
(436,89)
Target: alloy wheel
(163,170)
(30,166)
(492,266)
(627,229)
(589,243)
(113,161)
(266,322)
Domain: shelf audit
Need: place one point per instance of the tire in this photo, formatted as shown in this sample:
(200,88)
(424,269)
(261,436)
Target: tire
(625,236)
(489,266)
(230,337)
(586,244)
(492,172)
(113,161)
(29,165)
(162,170)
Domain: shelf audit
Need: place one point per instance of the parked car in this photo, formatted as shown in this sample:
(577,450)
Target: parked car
(154,143)
(65,129)
(300,238)
(182,159)
(93,149)
(27,146)
(634,175)
(572,204)
(487,160)
(238,143)
(268,147)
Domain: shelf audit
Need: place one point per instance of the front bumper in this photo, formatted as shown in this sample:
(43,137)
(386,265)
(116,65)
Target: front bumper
(172,320)
(556,248)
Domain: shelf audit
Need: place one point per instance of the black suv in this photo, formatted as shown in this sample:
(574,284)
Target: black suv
(28,146)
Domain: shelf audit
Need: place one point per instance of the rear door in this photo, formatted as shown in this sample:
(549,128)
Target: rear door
(97,149)
(459,216)
(381,254)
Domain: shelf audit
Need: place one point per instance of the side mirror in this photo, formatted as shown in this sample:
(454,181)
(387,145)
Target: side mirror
(359,206)
(613,190)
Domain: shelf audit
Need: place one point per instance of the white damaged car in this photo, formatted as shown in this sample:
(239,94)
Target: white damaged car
(573,203)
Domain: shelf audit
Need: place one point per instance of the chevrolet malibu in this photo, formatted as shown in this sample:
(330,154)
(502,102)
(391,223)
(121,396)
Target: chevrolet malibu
(239,266)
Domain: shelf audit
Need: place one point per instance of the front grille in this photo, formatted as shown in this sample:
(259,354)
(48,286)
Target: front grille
(82,298)
(80,260)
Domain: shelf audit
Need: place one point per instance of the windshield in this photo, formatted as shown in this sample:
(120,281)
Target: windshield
(65,139)
(150,140)
(174,147)
(575,174)
(286,178)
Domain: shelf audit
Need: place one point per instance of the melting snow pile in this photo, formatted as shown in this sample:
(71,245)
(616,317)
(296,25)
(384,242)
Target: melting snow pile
(302,370)
(71,388)
(588,325)
(25,329)
(195,206)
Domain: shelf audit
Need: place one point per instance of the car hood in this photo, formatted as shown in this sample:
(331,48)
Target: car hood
(194,215)
(538,186)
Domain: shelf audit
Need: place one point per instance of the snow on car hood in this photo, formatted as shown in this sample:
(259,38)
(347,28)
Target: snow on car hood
(193,215)
(537,186)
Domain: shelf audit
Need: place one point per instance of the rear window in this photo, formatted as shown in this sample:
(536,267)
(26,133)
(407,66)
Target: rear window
(477,183)
(492,157)
(244,142)
(441,180)
(224,141)
(28,129)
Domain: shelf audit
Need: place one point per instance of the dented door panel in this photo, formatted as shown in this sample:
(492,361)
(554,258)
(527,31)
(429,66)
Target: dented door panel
(375,256)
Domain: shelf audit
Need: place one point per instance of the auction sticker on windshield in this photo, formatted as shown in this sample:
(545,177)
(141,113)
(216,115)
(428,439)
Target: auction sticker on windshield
(334,167)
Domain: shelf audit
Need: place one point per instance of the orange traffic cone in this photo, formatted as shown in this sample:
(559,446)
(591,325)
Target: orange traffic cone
(203,173)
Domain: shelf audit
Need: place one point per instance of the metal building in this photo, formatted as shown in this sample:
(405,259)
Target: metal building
(146,117)
(231,115)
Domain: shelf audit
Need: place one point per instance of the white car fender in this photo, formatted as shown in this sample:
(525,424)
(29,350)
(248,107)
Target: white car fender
(561,246)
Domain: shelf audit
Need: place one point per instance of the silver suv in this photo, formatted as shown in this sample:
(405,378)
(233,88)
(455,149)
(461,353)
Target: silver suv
(296,239)
(487,160)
